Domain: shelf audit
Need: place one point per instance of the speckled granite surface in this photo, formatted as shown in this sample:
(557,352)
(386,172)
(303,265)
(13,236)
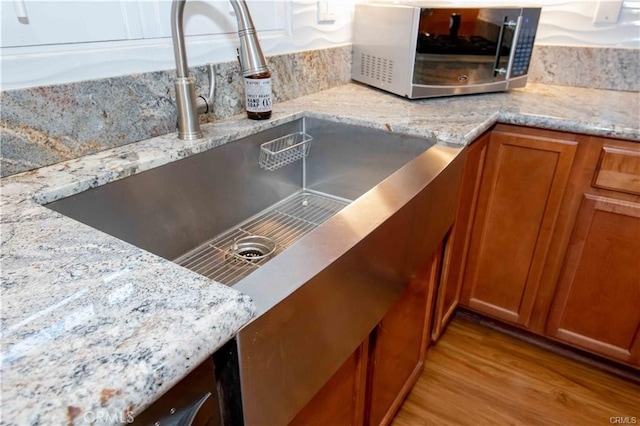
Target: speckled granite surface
(46,125)
(92,323)
(459,120)
(593,67)
(92,326)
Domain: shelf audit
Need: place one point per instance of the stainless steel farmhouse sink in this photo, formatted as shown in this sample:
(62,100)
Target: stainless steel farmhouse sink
(324,235)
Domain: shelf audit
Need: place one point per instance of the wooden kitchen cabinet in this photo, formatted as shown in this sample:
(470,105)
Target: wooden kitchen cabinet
(341,401)
(596,304)
(522,187)
(372,384)
(554,240)
(399,345)
(597,301)
(457,246)
(547,237)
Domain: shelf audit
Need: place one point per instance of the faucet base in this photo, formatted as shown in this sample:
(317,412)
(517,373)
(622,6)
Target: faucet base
(188,121)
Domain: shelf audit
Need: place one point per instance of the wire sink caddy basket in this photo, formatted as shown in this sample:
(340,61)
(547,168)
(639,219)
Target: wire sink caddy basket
(284,150)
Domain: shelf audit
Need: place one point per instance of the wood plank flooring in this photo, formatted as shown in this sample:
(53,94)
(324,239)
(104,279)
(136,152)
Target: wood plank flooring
(479,376)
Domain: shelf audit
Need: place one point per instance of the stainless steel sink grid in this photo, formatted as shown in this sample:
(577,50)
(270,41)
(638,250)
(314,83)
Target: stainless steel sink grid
(284,223)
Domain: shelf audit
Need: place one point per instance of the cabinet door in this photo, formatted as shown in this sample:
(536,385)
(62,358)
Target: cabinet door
(520,196)
(457,246)
(37,23)
(597,301)
(340,402)
(211,17)
(399,345)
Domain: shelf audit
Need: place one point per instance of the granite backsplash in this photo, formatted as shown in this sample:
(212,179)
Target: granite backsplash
(592,67)
(44,125)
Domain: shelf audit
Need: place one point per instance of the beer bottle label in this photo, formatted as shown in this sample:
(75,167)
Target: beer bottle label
(258,94)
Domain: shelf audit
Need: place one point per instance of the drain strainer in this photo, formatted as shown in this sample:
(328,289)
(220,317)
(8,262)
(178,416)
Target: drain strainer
(252,249)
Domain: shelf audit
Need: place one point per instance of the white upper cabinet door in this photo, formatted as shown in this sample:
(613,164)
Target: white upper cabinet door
(211,17)
(38,23)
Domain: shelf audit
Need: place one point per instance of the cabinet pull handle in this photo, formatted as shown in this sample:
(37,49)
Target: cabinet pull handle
(21,11)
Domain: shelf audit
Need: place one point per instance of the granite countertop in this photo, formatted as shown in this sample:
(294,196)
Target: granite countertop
(91,324)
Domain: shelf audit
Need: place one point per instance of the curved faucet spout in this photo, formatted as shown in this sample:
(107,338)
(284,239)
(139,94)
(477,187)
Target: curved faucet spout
(177,34)
(251,60)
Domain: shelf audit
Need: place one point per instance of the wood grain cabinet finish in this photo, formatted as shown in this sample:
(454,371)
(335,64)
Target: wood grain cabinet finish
(341,401)
(618,170)
(399,345)
(520,196)
(555,239)
(597,301)
(457,245)
(372,384)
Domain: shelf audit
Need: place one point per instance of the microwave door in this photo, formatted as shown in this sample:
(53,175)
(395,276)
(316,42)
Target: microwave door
(463,47)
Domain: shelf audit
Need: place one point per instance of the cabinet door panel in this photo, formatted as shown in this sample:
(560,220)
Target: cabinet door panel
(61,22)
(399,345)
(457,246)
(597,303)
(340,402)
(519,201)
(212,17)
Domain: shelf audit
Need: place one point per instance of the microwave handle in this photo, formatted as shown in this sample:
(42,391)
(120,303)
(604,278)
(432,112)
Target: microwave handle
(512,52)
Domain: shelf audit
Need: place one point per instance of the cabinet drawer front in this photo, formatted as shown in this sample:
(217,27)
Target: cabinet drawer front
(618,170)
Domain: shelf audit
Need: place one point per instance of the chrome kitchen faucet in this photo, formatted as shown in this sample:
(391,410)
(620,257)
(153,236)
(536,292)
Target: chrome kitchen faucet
(251,60)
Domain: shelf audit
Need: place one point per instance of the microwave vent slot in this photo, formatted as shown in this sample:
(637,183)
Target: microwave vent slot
(376,68)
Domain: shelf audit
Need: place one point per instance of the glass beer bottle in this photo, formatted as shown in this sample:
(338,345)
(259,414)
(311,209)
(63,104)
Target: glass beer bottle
(257,88)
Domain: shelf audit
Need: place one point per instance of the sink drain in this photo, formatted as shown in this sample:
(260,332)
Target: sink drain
(253,249)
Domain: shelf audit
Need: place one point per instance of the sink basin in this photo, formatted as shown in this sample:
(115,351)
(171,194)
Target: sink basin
(324,245)
(190,211)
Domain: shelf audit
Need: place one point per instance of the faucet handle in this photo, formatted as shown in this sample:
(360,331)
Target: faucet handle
(205,104)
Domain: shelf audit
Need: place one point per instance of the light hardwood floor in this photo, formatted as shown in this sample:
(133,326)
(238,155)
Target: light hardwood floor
(479,376)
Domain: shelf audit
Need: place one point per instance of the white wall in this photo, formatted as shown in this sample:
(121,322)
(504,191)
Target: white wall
(570,23)
(292,26)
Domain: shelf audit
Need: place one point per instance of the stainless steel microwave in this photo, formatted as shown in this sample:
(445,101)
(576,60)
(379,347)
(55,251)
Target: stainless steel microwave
(418,50)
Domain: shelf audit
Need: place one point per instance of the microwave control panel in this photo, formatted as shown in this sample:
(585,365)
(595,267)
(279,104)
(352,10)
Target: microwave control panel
(526,37)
